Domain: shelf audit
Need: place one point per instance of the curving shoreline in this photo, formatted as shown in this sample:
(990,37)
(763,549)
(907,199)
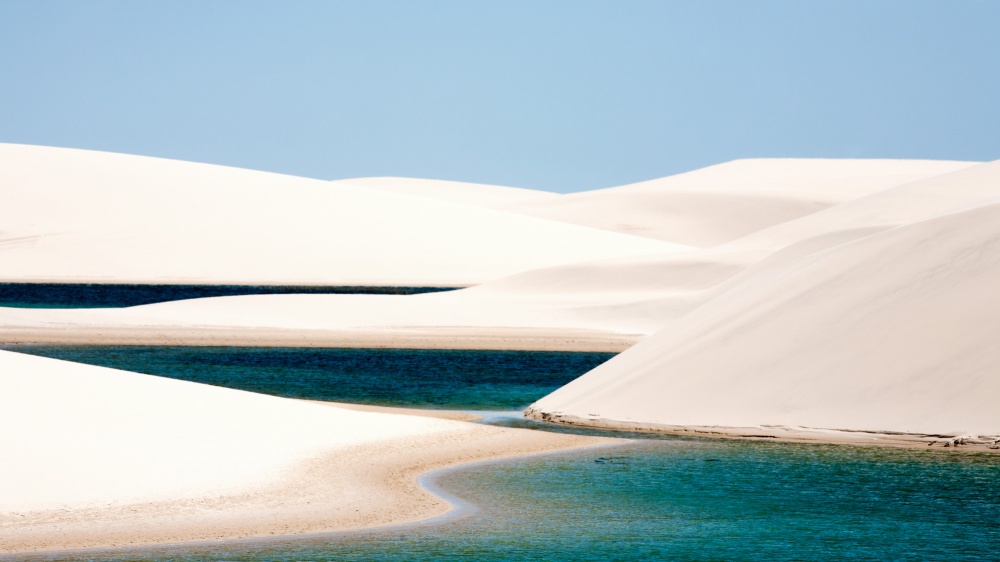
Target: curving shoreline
(347,489)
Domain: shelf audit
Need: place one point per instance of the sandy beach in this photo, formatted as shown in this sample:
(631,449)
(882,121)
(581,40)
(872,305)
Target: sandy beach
(365,486)
(180,461)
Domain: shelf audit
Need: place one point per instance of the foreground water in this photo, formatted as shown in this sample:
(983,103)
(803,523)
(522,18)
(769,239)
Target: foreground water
(455,379)
(655,498)
(116,295)
(675,499)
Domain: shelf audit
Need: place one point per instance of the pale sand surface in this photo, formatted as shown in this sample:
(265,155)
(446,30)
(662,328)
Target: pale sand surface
(615,298)
(483,195)
(896,206)
(109,458)
(83,216)
(721,203)
(364,486)
(894,332)
(425,338)
(872,318)
(457,415)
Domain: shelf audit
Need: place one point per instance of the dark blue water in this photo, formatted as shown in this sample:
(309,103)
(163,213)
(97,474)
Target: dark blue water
(450,379)
(97,295)
(675,499)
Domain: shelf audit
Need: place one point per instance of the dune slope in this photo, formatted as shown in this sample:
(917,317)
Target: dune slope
(898,205)
(97,457)
(721,203)
(90,435)
(596,304)
(895,332)
(82,216)
(483,195)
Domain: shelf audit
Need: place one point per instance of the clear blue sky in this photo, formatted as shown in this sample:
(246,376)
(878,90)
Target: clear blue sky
(558,95)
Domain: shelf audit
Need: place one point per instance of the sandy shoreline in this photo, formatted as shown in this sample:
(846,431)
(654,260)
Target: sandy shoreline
(526,339)
(357,488)
(953,442)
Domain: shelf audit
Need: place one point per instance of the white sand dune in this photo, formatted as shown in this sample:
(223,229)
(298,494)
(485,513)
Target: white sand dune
(590,301)
(901,204)
(73,215)
(893,332)
(482,195)
(718,204)
(622,296)
(89,435)
(627,297)
(670,294)
(98,457)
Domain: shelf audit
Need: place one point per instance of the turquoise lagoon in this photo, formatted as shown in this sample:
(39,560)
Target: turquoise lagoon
(653,498)
(448,379)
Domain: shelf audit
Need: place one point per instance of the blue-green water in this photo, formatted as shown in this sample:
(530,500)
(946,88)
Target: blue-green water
(450,379)
(654,498)
(681,499)
(110,295)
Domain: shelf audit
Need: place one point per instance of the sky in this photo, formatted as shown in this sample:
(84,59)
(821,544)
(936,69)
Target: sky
(556,95)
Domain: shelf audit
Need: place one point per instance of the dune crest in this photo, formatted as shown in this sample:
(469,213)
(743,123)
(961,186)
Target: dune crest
(721,203)
(82,216)
(478,194)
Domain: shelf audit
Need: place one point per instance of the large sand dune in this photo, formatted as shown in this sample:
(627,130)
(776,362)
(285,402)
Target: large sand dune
(600,304)
(745,286)
(113,436)
(95,457)
(73,215)
(892,332)
(713,205)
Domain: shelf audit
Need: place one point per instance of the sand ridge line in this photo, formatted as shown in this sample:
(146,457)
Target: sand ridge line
(404,338)
(456,415)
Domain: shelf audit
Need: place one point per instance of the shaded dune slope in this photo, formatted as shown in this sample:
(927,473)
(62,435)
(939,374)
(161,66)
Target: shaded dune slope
(893,332)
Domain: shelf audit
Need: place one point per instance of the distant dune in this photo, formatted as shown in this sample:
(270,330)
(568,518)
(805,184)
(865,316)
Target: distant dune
(75,215)
(713,205)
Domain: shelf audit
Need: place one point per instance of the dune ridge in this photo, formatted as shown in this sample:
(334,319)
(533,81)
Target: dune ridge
(721,203)
(483,195)
(84,216)
(604,304)
(892,331)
